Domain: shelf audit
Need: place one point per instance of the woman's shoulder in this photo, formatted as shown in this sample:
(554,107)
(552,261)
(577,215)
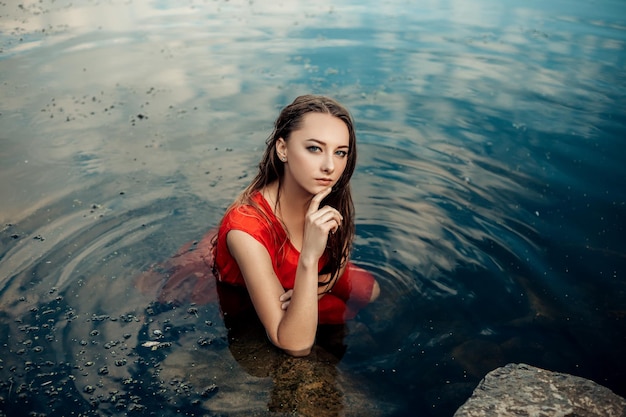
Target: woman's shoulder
(254,217)
(252,213)
(248,206)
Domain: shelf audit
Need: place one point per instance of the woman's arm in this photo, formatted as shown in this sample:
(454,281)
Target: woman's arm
(285,298)
(292,329)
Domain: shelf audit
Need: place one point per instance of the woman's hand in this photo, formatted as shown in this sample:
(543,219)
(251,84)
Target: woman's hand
(318,223)
(285,299)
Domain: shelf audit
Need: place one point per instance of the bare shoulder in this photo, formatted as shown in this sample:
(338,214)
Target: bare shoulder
(243,246)
(253,259)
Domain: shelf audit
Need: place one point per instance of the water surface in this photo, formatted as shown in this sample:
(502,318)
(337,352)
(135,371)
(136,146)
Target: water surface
(490,197)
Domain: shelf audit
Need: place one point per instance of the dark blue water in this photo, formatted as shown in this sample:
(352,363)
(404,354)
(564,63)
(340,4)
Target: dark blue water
(490,197)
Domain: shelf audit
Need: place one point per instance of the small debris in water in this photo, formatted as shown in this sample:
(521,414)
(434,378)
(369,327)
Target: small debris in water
(101,317)
(204,341)
(153,345)
(128,318)
(112,343)
(210,390)
(136,407)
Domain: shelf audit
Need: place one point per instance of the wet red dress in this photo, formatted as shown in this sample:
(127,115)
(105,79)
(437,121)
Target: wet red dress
(351,292)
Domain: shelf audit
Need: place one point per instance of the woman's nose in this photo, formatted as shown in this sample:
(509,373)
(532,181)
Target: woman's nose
(328,165)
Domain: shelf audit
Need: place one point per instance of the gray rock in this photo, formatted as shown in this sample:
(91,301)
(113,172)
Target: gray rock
(523,390)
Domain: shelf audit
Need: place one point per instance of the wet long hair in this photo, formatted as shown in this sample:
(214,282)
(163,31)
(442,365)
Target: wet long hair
(271,169)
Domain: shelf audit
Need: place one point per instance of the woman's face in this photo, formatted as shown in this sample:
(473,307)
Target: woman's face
(316,154)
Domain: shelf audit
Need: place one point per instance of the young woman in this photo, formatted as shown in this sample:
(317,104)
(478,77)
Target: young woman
(287,238)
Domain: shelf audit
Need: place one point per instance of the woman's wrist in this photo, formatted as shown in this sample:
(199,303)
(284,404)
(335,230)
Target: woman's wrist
(308,262)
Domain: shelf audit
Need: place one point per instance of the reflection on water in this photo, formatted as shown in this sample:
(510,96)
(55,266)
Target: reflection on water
(489,196)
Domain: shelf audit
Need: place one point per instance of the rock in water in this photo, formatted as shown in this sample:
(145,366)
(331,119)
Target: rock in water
(523,390)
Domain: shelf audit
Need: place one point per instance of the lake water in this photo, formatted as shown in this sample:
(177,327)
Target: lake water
(490,195)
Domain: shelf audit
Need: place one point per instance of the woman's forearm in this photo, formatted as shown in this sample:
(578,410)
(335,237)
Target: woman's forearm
(297,329)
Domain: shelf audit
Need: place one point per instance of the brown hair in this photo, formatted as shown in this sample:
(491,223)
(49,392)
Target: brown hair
(271,169)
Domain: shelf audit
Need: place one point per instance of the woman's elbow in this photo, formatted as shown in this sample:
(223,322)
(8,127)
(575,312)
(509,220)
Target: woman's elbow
(297,350)
(293,349)
(298,353)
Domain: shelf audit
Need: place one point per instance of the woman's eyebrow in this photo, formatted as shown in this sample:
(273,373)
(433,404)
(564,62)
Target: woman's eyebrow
(321,142)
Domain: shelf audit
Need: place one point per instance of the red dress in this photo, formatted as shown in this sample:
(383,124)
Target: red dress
(351,292)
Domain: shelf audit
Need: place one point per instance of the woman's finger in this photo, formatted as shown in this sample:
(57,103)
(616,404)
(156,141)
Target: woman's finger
(327,215)
(285,299)
(286,296)
(317,200)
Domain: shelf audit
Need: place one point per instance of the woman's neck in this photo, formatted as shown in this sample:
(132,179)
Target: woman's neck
(288,201)
(290,205)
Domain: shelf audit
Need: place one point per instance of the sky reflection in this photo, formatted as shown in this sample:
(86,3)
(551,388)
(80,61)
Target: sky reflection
(489,188)
(453,78)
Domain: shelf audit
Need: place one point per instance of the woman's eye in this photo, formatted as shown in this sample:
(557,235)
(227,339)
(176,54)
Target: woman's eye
(342,154)
(314,148)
